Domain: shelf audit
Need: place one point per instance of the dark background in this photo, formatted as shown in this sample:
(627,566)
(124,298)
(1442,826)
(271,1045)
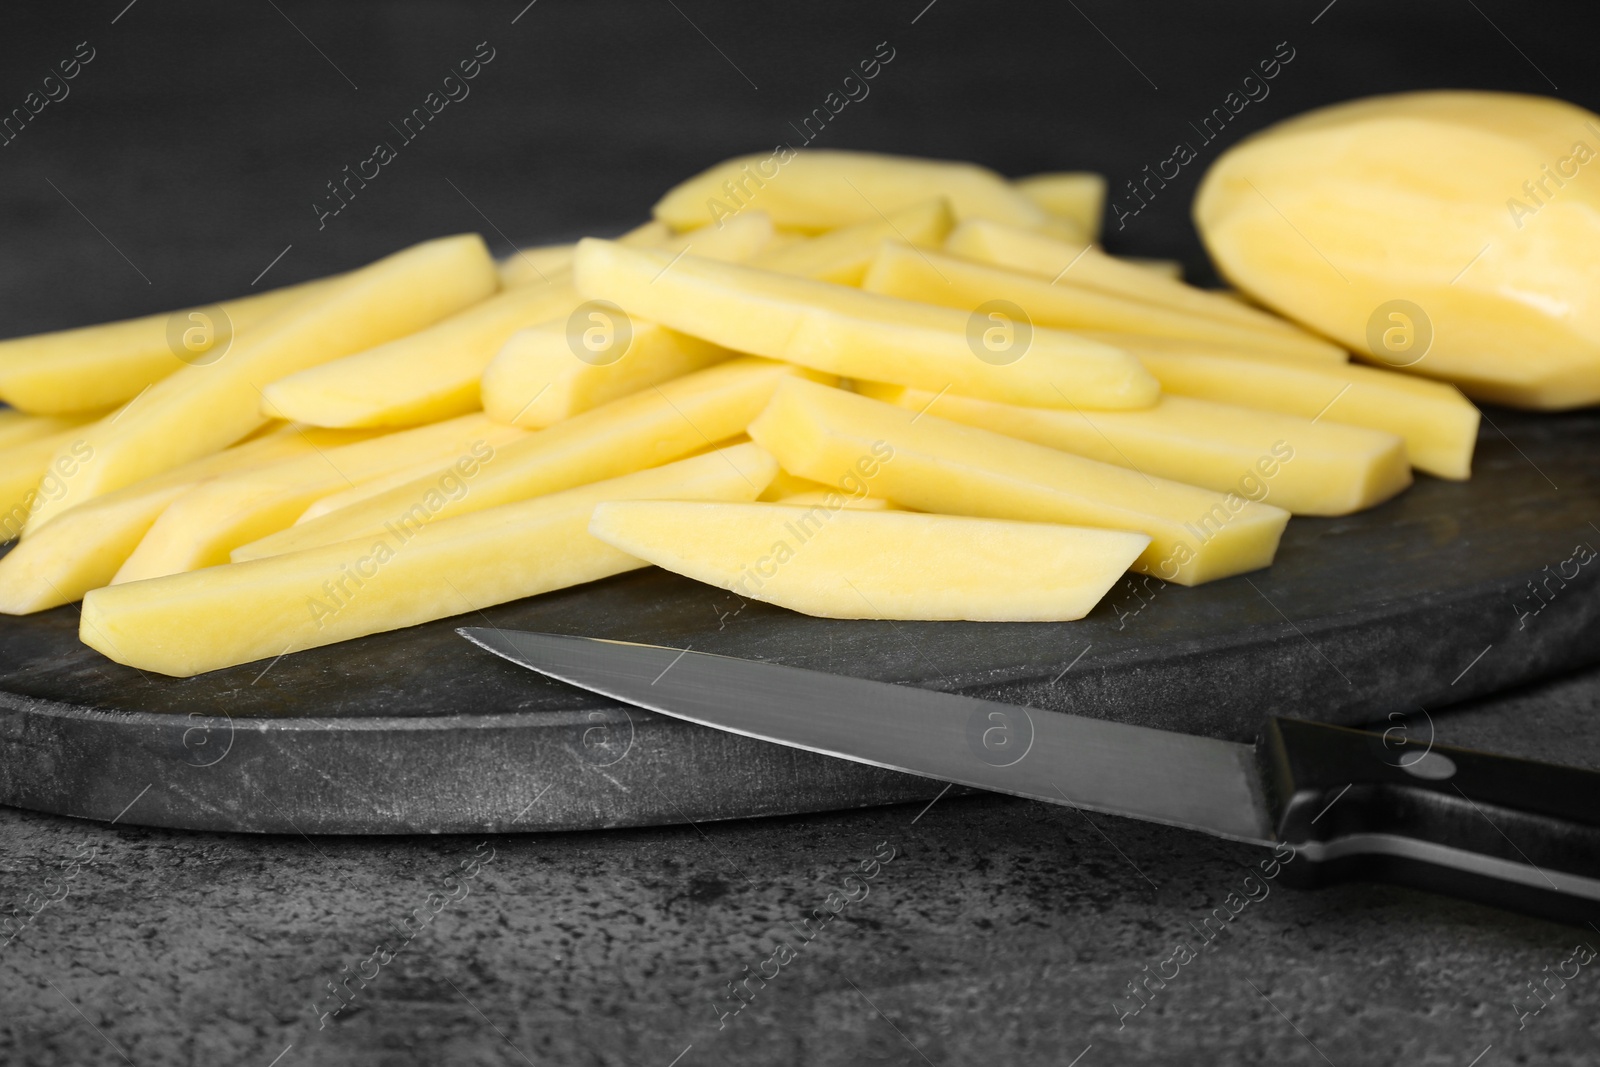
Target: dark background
(201,134)
(197,141)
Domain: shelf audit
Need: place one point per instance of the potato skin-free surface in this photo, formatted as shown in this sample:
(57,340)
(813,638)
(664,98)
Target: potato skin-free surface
(204,408)
(185,624)
(1334,469)
(935,465)
(840,330)
(657,425)
(1458,232)
(838,562)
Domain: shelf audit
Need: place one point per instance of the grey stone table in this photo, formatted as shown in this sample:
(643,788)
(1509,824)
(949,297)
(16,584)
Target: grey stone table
(1000,931)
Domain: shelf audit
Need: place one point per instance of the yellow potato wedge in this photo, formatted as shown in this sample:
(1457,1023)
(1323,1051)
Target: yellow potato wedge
(843,255)
(186,624)
(832,499)
(205,524)
(92,368)
(1077,195)
(735,241)
(35,472)
(1060,229)
(552,372)
(366,490)
(934,465)
(540,265)
(842,563)
(1084,266)
(652,234)
(839,330)
(963,285)
(1304,467)
(203,409)
(821,190)
(423,377)
(1167,268)
(661,423)
(547,264)
(1439,425)
(82,548)
(20,428)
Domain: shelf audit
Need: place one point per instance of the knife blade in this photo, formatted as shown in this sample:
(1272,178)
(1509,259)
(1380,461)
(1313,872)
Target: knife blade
(1515,833)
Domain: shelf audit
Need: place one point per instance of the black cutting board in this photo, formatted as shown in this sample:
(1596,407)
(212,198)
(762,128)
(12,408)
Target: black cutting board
(1421,603)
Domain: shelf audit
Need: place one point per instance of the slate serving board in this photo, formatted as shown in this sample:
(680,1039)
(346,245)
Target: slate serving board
(1421,603)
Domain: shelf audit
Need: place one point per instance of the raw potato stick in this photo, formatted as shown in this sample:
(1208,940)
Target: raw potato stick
(956,283)
(821,190)
(842,256)
(92,368)
(734,241)
(82,548)
(20,428)
(833,500)
(840,330)
(1081,265)
(34,472)
(423,377)
(546,374)
(660,424)
(844,563)
(930,464)
(540,265)
(186,624)
(1439,425)
(203,409)
(1079,196)
(1304,467)
(203,526)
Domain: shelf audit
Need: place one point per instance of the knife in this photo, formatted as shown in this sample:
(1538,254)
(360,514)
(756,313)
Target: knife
(1509,832)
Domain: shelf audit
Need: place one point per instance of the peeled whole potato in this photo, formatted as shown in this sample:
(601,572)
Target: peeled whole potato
(1450,234)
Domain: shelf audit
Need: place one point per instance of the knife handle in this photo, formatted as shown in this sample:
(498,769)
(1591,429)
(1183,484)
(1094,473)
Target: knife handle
(1513,833)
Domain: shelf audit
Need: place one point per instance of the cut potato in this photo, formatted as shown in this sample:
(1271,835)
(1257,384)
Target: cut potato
(423,377)
(1167,268)
(1079,196)
(842,256)
(734,241)
(186,624)
(652,234)
(821,190)
(37,471)
(833,499)
(20,428)
(912,274)
(82,548)
(366,490)
(92,368)
(785,484)
(1304,467)
(1060,229)
(1084,266)
(840,563)
(839,330)
(934,465)
(1439,425)
(1450,234)
(205,524)
(202,409)
(662,423)
(554,371)
(541,265)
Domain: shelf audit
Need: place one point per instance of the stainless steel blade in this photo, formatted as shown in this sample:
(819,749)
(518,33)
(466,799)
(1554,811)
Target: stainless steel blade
(1195,782)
